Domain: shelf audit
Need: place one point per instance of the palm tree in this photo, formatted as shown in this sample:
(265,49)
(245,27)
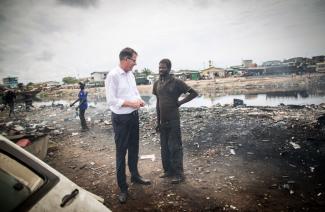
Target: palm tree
(146,71)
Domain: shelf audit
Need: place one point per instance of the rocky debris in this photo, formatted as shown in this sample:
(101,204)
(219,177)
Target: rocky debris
(22,128)
(238,102)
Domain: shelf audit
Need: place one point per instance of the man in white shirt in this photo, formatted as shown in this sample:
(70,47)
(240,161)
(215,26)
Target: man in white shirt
(124,101)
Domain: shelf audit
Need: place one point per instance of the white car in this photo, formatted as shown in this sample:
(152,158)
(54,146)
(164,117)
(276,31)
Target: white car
(29,184)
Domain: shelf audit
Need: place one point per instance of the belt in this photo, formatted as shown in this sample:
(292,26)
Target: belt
(134,113)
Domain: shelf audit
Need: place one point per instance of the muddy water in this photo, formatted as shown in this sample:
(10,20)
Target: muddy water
(265,99)
(254,92)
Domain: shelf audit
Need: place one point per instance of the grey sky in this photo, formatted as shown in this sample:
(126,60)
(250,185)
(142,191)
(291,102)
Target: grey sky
(49,39)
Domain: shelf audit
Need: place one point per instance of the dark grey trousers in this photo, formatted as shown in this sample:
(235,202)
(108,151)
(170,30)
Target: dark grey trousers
(11,108)
(82,118)
(171,148)
(126,130)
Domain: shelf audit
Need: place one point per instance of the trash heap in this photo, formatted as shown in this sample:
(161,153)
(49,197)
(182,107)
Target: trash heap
(17,129)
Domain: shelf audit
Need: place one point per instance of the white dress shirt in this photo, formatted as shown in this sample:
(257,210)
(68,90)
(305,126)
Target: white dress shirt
(120,86)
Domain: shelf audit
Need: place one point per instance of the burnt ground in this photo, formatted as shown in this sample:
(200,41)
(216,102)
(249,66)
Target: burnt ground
(245,159)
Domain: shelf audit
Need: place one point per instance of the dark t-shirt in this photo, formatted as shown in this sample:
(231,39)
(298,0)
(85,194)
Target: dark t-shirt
(168,92)
(9,97)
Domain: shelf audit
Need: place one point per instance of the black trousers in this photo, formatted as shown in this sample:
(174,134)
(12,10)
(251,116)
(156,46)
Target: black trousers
(171,147)
(82,118)
(126,135)
(11,108)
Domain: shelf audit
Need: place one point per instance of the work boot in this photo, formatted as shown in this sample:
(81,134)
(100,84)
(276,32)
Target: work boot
(122,197)
(165,175)
(140,180)
(85,129)
(177,179)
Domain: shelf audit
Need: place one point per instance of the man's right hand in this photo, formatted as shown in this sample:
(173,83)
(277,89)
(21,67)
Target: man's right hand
(136,104)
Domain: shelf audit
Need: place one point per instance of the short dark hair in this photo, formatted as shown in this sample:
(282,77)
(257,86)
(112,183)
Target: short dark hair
(127,53)
(167,63)
(82,84)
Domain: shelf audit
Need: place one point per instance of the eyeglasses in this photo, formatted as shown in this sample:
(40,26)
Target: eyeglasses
(132,60)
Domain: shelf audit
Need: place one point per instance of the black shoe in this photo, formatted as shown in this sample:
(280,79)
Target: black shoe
(122,197)
(165,175)
(140,180)
(177,179)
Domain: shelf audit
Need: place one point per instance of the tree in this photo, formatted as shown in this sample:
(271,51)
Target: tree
(30,84)
(146,71)
(69,80)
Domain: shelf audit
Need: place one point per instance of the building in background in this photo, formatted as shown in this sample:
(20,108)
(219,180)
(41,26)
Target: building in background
(272,63)
(212,72)
(97,79)
(99,76)
(247,63)
(320,67)
(10,82)
(318,59)
(187,74)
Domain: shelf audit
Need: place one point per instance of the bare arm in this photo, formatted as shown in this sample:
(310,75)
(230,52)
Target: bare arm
(192,94)
(74,102)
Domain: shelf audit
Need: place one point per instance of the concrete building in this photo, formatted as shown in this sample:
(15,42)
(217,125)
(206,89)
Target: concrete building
(99,76)
(272,63)
(11,82)
(247,63)
(318,59)
(187,74)
(212,72)
(320,67)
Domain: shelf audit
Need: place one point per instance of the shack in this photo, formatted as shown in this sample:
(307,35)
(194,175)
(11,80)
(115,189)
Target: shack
(187,75)
(212,72)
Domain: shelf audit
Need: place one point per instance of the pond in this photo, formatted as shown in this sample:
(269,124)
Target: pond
(265,99)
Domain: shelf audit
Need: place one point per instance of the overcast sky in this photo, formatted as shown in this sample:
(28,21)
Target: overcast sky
(49,39)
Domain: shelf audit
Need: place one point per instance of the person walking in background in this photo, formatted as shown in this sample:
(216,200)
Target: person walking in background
(83,105)
(9,99)
(168,90)
(124,101)
(28,99)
